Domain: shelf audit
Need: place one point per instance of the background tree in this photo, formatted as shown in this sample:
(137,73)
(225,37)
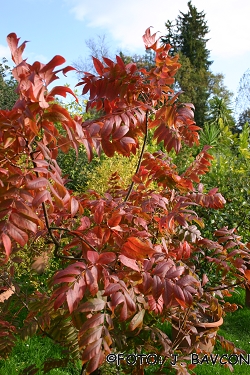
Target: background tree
(8,84)
(97,47)
(146,61)
(242,108)
(218,88)
(187,36)
(244,118)
(243,95)
(230,172)
(220,112)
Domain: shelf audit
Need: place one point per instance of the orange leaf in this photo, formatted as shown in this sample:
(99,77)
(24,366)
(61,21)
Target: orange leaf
(136,249)
(247,275)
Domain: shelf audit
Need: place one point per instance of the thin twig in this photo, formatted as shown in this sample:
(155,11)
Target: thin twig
(76,235)
(225,287)
(140,158)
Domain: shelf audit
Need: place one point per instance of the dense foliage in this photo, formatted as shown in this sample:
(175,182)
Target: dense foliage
(126,260)
(8,96)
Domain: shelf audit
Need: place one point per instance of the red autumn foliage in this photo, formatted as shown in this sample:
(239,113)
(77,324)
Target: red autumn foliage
(137,249)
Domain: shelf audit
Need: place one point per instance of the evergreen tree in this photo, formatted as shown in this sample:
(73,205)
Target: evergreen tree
(220,112)
(187,36)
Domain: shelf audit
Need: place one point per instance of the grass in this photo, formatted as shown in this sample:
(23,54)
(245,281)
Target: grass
(34,351)
(37,349)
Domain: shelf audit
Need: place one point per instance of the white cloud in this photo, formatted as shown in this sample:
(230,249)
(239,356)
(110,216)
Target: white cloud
(4,52)
(32,57)
(229,26)
(80,10)
(126,21)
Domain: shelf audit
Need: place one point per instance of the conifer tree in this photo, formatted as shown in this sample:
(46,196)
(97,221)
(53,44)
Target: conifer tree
(187,36)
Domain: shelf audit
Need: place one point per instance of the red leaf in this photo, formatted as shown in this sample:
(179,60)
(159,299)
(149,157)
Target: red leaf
(112,288)
(62,90)
(187,280)
(16,51)
(72,299)
(205,279)
(41,197)
(175,272)
(98,66)
(107,258)
(108,147)
(91,351)
(94,321)
(73,269)
(90,277)
(66,279)
(28,213)
(85,223)
(179,295)
(114,220)
(7,244)
(55,61)
(161,269)
(23,223)
(128,262)
(17,234)
(120,62)
(116,299)
(167,293)
(92,256)
(74,206)
(58,200)
(120,132)
(90,336)
(99,211)
(95,362)
(148,39)
(37,183)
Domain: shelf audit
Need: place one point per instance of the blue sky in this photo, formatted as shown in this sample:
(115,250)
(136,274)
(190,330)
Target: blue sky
(62,26)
